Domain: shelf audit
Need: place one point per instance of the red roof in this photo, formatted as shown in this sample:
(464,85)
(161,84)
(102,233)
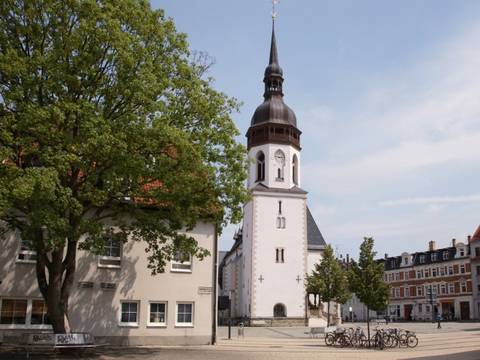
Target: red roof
(476,236)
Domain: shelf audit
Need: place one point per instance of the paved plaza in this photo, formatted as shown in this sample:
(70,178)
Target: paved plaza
(455,341)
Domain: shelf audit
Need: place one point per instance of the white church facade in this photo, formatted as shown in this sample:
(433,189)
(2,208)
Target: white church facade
(264,272)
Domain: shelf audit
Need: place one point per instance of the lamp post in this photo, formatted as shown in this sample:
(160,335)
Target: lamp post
(351,313)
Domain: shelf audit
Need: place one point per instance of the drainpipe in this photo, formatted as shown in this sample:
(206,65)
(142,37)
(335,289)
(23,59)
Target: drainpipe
(214,285)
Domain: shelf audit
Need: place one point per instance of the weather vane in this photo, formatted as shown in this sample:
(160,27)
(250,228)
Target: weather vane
(274,12)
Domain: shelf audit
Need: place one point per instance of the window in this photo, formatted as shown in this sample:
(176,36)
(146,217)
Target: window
(184,314)
(463,287)
(420,308)
(442,271)
(434,272)
(281,222)
(405,275)
(260,166)
(111,256)
(397,292)
(158,314)
(419,274)
(450,270)
(477,251)
(478,269)
(433,256)
(462,252)
(427,272)
(39,313)
(451,288)
(14,311)
(295,169)
(462,268)
(419,290)
(443,289)
(427,308)
(26,252)
(397,276)
(405,260)
(445,255)
(129,313)
(407,291)
(422,259)
(181,262)
(280,255)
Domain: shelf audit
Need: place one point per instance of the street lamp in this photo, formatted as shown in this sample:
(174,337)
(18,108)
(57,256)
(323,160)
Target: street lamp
(351,314)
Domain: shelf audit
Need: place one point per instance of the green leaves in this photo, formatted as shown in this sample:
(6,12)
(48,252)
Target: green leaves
(366,278)
(329,279)
(103,115)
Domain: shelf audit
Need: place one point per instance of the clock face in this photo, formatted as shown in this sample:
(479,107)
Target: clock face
(280,157)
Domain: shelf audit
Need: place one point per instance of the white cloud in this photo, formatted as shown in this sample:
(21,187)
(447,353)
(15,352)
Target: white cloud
(432,200)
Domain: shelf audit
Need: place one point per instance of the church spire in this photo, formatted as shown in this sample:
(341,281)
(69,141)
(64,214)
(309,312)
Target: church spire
(273,78)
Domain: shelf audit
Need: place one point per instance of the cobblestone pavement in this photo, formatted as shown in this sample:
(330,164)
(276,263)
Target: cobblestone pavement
(453,342)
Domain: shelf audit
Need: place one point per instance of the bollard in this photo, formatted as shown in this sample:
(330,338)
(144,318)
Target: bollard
(241,330)
(229,329)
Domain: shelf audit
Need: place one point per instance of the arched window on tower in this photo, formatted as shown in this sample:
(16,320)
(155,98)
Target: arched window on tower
(260,166)
(295,169)
(280,164)
(279,310)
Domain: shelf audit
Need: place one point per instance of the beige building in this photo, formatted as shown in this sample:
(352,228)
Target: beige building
(115,297)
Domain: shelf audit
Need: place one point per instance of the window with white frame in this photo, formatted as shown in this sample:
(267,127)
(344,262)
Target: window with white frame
(111,254)
(462,268)
(427,272)
(451,288)
(419,290)
(442,271)
(397,276)
(181,262)
(397,292)
(434,272)
(420,308)
(407,291)
(39,313)
(443,289)
(445,255)
(27,252)
(427,308)
(462,251)
(184,314)
(450,270)
(13,311)
(433,256)
(157,314)
(463,287)
(422,259)
(129,313)
(419,274)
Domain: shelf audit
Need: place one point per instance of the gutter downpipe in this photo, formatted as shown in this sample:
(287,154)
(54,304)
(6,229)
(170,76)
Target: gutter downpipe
(215,285)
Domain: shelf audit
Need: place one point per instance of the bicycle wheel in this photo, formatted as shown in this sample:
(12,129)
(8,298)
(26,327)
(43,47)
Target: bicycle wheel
(412,341)
(402,340)
(329,339)
(344,340)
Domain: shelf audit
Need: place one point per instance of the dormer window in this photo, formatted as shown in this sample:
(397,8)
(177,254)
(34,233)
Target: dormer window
(462,251)
(445,255)
(260,166)
(433,256)
(405,260)
(422,259)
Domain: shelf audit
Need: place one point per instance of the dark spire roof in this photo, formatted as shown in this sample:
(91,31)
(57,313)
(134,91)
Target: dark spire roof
(314,236)
(273,109)
(273,67)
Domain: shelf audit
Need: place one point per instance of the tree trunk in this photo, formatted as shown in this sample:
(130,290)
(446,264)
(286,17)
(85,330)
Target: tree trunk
(328,314)
(56,287)
(368,325)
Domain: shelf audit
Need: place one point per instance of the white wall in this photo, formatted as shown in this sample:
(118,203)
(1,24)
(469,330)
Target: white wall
(271,168)
(279,284)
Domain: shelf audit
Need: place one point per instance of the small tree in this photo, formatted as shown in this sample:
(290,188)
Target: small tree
(329,280)
(366,280)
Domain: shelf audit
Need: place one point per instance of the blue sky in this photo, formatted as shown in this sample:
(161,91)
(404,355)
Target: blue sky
(387,94)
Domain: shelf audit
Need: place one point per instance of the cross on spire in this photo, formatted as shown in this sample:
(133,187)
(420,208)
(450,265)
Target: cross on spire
(274,8)
(261,278)
(298,279)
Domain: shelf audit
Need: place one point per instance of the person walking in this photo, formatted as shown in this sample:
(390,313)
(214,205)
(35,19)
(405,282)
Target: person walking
(439,318)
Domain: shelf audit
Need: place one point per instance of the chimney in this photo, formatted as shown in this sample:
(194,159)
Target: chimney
(432,245)
(348,259)
(469,238)
(386,256)
(454,242)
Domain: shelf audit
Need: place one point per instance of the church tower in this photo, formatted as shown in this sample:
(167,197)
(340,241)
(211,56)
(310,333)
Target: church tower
(275,219)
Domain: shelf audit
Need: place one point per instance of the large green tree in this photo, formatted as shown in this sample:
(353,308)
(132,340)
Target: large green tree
(366,280)
(106,117)
(329,280)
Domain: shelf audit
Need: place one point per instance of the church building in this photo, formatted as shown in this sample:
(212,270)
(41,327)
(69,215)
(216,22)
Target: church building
(264,273)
